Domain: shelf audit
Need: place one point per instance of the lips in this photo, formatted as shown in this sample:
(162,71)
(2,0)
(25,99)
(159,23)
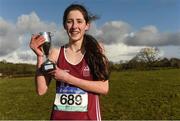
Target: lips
(74,32)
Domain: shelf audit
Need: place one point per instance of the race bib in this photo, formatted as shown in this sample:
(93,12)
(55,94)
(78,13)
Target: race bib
(69,98)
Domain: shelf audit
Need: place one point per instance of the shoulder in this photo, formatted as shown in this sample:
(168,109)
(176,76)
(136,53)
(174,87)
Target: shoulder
(54,54)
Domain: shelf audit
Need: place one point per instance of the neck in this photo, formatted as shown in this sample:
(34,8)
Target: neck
(75,46)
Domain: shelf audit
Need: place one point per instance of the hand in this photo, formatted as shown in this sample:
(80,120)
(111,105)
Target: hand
(59,74)
(35,43)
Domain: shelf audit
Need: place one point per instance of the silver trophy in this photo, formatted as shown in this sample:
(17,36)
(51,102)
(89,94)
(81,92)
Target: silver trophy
(48,65)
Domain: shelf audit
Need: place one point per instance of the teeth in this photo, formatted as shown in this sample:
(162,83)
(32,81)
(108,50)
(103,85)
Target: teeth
(74,32)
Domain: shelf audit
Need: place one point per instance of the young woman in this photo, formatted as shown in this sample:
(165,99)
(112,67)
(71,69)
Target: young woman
(82,69)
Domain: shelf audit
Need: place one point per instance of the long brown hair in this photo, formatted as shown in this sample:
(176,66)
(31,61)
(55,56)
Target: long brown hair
(96,60)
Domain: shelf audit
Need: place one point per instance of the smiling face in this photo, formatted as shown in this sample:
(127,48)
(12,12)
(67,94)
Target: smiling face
(76,25)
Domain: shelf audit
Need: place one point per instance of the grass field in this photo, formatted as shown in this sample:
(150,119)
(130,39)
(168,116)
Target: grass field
(133,95)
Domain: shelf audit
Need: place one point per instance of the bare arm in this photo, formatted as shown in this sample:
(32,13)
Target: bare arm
(99,86)
(42,81)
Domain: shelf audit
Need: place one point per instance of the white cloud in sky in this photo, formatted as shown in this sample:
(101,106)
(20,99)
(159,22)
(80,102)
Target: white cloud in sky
(113,32)
(120,41)
(20,56)
(121,51)
(31,23)
(150,36)
(9,39)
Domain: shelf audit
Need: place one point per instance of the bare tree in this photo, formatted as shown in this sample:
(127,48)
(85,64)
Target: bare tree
(147,56)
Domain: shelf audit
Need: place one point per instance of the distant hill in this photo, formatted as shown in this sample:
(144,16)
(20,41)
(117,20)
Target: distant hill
(18,69)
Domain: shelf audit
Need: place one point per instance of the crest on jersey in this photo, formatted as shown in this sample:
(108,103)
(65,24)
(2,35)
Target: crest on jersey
(86,71)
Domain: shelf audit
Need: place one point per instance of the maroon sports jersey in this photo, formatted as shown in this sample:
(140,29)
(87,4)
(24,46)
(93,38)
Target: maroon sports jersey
(73,103)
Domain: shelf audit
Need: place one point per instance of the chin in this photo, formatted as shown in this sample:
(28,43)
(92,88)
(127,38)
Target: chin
(75,38)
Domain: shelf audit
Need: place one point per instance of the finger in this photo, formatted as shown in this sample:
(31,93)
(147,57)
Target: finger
(41,37)
(57,68)
(35,36)
(35,39)
(39,41)
(51,72)
(38,38)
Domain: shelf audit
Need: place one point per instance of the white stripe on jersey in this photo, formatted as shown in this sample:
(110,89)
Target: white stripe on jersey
(98,109)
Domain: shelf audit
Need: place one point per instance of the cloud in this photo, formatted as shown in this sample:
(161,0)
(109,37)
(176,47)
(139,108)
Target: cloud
(59,38)
(32,24)
(9,38)
(20,56)
(25,55)
(120,41)
(120,51)
(113,32)
(17,35)
(150,36)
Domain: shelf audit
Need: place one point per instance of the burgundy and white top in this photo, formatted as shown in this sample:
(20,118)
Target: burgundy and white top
(71,102)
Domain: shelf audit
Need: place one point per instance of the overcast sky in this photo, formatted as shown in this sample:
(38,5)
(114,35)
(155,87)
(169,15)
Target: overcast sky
(125,26)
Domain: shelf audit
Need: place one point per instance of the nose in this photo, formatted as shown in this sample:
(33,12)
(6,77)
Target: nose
(74,26)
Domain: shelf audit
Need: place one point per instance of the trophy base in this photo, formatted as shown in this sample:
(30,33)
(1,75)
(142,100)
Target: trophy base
(48,66)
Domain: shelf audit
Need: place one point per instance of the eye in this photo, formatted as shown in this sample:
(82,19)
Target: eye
(69,21)
(80,21)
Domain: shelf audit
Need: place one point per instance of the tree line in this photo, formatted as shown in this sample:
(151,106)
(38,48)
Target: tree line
(147,59)
(16,69)
(136,65)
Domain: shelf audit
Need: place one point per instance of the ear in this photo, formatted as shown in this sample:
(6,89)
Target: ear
(87,26)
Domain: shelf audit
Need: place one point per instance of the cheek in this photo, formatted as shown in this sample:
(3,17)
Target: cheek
(68,26)
(84,27)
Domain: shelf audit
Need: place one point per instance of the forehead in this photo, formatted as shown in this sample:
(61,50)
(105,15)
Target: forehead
(75,14)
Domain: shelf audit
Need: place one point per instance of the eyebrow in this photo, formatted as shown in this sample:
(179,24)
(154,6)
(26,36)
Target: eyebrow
(75,19)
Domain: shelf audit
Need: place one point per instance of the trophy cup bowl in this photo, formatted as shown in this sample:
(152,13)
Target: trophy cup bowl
(48,65)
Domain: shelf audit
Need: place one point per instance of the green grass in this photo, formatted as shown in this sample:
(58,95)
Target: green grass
(18,100)
(133,95)
(143,95)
